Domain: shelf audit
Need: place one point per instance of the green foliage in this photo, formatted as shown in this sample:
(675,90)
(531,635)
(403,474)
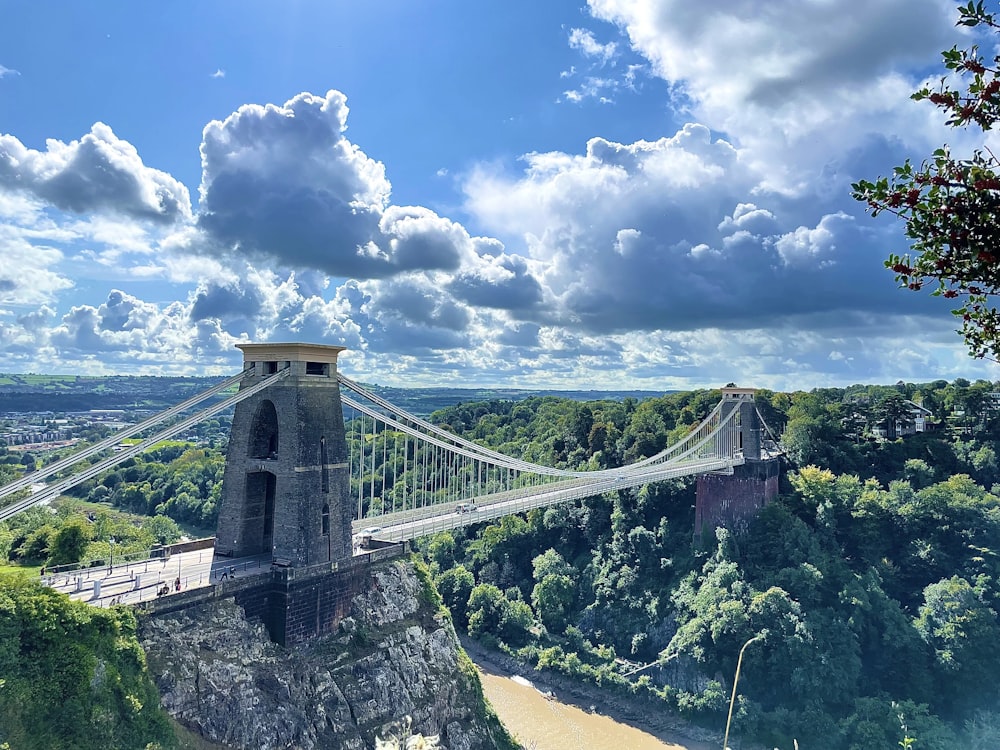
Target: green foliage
(173,480)
(492,613)
(69,543)
(73,675)
(455,586)
(550,562)
(951,206)
(428,593)
(163,530)
(441,550)
(965,635)
(552,597)
(835,570)
(870,574)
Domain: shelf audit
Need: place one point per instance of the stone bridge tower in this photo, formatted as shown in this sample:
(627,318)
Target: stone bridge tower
(286,487)
(731,500)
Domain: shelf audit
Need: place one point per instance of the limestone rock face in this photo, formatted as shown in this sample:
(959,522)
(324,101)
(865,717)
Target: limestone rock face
(394,662)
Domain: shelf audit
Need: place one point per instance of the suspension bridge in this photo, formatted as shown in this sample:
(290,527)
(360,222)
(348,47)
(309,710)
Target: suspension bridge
(408,477)
(320,469)
(443,481)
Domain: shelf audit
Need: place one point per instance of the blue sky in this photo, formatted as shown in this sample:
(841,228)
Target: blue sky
(625,193)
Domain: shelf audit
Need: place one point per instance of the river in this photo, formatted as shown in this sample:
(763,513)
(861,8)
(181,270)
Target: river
(547,723)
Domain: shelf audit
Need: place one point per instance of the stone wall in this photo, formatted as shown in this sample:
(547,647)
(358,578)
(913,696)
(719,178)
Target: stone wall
(731,500)
(394,655)
(295,604)
(305,604)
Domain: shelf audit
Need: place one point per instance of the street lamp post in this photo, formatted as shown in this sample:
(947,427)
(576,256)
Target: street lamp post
(736,679)
(111,553)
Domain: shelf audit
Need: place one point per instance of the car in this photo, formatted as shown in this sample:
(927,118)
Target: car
(465,508)
(370,531)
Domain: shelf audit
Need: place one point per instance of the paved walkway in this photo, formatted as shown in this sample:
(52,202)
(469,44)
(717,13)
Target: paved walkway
(134,582)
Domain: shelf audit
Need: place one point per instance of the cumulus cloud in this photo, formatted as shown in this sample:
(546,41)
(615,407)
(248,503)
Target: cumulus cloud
(504,282)
(668,263)
(132,335)
(99,173)
(282,182)
(29,274)
(664,236)
(8,72)
(794,80)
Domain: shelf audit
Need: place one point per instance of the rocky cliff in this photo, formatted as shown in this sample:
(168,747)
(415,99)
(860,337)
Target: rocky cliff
(394,662)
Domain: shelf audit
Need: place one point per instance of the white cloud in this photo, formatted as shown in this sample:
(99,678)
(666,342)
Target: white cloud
(98,173)
(124,328)
(219,73)
(584,41)
(599,89)
(676,235)
(282,182)
(29,274)
(795,82)
(8,72)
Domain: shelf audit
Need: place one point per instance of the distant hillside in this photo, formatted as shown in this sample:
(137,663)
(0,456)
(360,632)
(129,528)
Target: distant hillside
(423,401)
(62,393)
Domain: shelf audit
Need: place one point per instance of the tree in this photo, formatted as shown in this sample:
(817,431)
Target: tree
(164,530)
(486,609)
(965,636)
(491,613)
(70,542)
(455,585)
(441,551)
(951,206)
(550,562)
(29,462)
(552,598)
(893,413)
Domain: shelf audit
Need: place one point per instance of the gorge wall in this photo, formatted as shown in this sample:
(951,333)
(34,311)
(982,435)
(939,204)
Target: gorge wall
(393,663)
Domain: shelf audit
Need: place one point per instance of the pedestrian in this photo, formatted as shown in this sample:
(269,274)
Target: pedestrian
(177,584)
(42,572)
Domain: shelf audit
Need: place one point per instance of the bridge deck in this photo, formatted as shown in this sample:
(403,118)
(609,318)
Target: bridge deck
(405,525)
(140,581)
(144,580)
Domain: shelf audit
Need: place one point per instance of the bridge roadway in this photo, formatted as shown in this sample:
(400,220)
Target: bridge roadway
(405,525)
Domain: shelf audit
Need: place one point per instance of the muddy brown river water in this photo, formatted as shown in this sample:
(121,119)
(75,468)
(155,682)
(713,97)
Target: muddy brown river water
(541,723)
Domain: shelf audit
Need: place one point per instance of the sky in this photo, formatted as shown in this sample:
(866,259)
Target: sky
(617,194)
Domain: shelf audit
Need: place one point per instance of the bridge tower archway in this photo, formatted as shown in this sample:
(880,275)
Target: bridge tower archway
(264,431)
(286,486)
